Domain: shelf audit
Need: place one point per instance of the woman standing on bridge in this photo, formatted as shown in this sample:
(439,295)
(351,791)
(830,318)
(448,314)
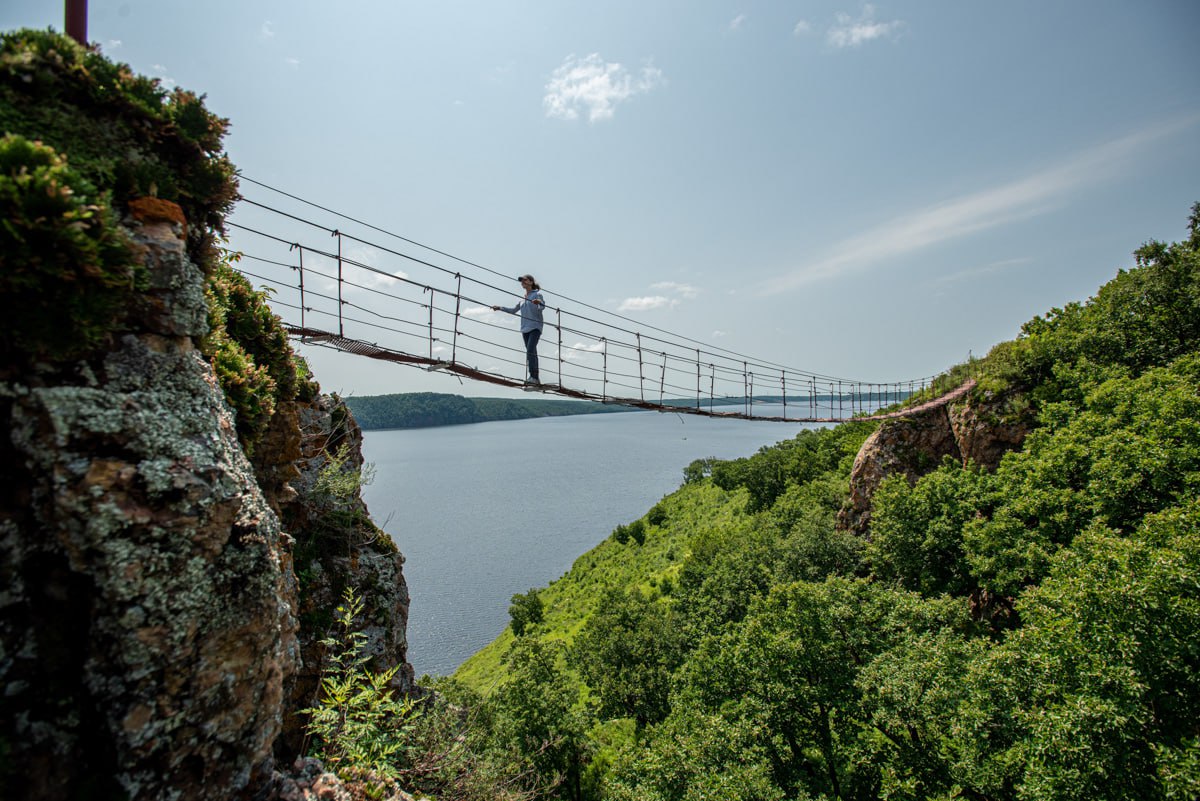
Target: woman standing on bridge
(530,308)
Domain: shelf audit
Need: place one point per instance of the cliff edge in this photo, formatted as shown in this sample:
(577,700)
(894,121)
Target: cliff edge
(170,547)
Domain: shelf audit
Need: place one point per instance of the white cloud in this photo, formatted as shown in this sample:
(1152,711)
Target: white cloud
(982,210)
(854,32)
(736,22)
(718,334)
(580,350)
(113,44)
(589,84)
(267,30)
(802,27)
(986,269)
(646,303)
(164,80)
(502,73)
(294,63)
(685,290)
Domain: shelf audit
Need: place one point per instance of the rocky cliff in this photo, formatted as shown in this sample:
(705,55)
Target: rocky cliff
(173,539)
(979,428)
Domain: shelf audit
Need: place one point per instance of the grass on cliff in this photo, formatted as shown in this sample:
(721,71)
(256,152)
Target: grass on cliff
(692,512)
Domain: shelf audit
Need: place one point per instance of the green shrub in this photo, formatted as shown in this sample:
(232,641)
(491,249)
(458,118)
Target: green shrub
(525,610)
(358,727)
(67,272)
(249,351)
(123,131)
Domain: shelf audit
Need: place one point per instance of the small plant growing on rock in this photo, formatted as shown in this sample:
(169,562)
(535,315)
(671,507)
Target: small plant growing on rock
(360,729)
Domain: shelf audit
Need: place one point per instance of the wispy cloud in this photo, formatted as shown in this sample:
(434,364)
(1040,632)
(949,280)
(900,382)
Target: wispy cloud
(647,303)
(502,73)
(982,210)
(971,273)
(267,31)
(294,63)
(164,80)
(683,290)
(736,22)
(850,32)
(592,86)
(802,27)
(581,350)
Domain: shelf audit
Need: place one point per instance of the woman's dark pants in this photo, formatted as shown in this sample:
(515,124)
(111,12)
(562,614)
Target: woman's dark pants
(531,343)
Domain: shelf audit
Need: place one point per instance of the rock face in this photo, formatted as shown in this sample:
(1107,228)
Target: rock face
(338,546)
(146,609)
(150,645)
(980,429)
(150,523)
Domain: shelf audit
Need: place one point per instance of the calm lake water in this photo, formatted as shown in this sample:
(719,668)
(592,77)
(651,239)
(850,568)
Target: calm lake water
(487,510)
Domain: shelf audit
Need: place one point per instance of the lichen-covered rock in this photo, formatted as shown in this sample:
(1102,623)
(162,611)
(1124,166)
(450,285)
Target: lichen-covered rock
(145,627)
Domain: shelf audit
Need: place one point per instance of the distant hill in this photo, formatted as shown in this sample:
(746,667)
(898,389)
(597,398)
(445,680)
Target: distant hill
(426,409)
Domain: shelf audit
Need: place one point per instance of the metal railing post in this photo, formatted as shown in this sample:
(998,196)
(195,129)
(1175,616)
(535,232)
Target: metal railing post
(457,309)
(338,234)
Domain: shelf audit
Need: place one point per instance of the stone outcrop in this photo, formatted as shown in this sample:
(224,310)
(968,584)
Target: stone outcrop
(146,610)
(152,619)
(979,428)
(155,642)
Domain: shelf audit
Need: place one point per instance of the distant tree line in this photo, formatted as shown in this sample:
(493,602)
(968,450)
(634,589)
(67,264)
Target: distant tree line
(426,409)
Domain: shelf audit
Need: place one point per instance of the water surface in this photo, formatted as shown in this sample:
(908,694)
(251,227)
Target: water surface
(486,510)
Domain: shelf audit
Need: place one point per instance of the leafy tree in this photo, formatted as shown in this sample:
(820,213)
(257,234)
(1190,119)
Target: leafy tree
(811,547)
(537,718)
(722,576)
(694,756)
(1098,694)
(1133,449)
(626,652)
(916,532)
(525,610)
(790,671)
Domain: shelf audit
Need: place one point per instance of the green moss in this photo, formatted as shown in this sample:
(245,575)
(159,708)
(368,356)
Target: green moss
(66,268)
(249,351)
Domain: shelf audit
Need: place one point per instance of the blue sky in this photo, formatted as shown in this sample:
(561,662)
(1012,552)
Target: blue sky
(863,190)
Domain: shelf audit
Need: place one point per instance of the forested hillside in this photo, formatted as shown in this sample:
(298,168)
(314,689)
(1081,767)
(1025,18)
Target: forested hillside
(1027,632)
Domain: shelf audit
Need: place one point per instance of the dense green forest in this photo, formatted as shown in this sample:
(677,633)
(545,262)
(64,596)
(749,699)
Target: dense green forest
(1024,633)
(424,409)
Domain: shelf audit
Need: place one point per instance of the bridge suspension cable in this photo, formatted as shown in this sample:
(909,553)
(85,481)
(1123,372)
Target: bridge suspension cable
(416,305)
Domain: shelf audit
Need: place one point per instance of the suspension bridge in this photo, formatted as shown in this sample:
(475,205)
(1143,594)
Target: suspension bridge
(338,282)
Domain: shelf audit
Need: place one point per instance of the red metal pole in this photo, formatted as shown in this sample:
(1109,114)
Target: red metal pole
(77,20)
